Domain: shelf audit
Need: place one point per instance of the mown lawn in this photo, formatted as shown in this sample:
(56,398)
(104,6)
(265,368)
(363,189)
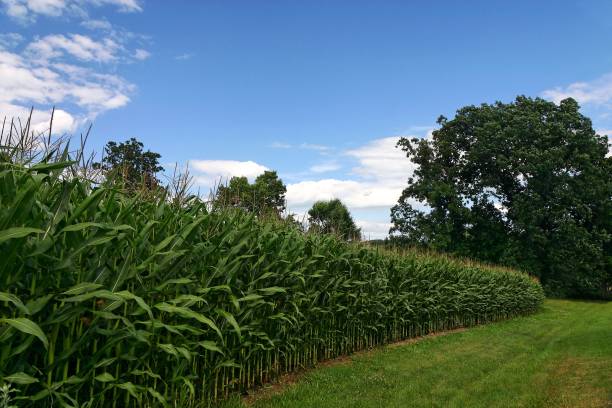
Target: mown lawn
(560,357)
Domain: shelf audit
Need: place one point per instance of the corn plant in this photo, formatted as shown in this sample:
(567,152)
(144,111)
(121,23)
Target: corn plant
(115,300)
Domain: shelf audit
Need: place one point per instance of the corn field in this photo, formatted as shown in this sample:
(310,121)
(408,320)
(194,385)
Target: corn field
(114,300)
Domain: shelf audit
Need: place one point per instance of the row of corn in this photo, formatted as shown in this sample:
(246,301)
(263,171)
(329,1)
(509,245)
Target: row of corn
(115,300)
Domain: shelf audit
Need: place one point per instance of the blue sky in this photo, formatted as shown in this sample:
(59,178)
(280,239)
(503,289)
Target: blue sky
(318,90)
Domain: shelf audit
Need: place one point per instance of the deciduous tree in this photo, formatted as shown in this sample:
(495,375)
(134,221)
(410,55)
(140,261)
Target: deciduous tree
(526,183)
(332,217)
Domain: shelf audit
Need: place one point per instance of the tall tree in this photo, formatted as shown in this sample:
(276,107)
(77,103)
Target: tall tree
(264,197)
(332,217)
(526,184)
(129,163)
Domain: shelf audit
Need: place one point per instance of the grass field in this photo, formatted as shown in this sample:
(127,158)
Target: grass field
(560,357)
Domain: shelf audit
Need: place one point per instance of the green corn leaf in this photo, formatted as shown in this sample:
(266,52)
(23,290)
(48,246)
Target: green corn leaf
(230,319)
(18,232)
(20,378)
(170,349)
(131,388)
(81,288)
(158,397)
(140,301)
(179,281)
(272,290)
(101,294)
(212,346)
(104,377)
(7,297)
(51,166)
(250,297)
(29,327)
(190,314)
(36,305)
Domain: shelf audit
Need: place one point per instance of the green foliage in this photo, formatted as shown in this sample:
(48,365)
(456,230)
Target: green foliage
(332,217)
(526,184)
(128,163)
(265,197)
(116,299)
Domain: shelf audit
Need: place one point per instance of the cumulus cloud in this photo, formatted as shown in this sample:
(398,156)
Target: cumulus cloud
(26,11)
(63,122)
(381,160)
(208,173)
(72,71)
(355,194)
(380,177)
(23,80)
(596,92)
(371,188)
(373,229)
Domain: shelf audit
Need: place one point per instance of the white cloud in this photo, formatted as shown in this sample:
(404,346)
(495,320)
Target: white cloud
(10,40)
(317,147)
(63,122)
(26,11)
(184,56)
(355,194)
(381,160)
(596,92)
(79,46)
(126,6)
(280,145)
(141,54)
(382,173)
(373,186)
(25,82)
(302,146)
(324,167)
(208,173)
(374,230)
(97,24)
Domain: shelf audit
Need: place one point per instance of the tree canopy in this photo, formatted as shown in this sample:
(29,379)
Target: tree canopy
(129,163)
(265,196)
(332,217)
(526,184)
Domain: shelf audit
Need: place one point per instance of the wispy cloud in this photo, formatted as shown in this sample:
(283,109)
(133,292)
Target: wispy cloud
(325,167)
(595,92)
(10,40)
(27,11)
(97,24)
(141,54)
(184,56)
(302,146)
(79,46)
(280,145)
(317,147)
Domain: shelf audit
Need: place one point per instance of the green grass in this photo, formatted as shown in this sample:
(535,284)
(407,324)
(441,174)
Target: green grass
(560,357)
